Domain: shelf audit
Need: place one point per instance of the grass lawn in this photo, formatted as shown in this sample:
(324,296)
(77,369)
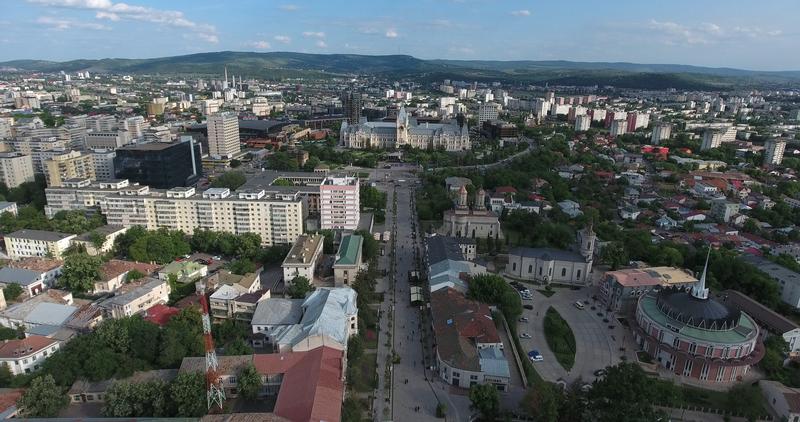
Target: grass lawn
(364,377)
(560,338)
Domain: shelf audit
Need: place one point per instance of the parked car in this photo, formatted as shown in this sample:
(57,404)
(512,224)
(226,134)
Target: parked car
(523,319)
(524,335)
(599,372)
(579,305)
(529,307)
(535,356)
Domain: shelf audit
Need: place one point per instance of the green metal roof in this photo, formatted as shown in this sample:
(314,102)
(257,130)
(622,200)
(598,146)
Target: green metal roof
(743,331)
(349,250)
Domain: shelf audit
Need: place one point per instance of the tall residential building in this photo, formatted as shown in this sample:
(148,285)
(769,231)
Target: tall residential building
(339,203)
(712,138)
(351,107)
(68,165)
(223,135)
(84,195)
(582,122)
(135,127)
(160,165)
(773,151)
(101,123)
(107,140)
(487,111)
(15,169)
(277,218)
(661,131)
(103,164)
(618,127)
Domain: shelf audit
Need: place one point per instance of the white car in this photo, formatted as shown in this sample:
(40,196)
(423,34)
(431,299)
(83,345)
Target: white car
(524,335)
(579,305)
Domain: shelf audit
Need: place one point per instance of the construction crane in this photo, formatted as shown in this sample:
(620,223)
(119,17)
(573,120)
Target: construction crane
(215,394)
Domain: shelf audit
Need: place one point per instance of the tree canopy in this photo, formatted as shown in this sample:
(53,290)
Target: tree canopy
(299,288)
(80,272)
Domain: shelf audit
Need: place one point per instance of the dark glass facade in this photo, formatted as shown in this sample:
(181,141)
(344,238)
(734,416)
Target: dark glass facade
(160,165)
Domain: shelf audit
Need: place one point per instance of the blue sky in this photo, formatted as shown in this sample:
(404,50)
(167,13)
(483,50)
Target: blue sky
(733,33)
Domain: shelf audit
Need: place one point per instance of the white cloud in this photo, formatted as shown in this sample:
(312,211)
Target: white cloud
(523,12)
(706,33)
(288,7)
(261,45)
(322,44)
(284,39)
(63,24)
(108,10)
(312,34)
(391,33)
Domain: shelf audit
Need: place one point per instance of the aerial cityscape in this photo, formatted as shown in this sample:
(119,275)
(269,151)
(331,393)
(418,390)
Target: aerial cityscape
(456,210)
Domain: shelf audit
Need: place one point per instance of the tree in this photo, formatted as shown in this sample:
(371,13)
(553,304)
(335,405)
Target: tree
(614,255)
(542,402)
(355,348)
(484,399)
(43,399)
(188,394)
(235,163)
(625,393)
(144,399)
(493,289)
(238,348)
(249,382)
(12,291)
(351,411)
(134,275)
(97,239)
(80,272)
(231,180)
(299,287)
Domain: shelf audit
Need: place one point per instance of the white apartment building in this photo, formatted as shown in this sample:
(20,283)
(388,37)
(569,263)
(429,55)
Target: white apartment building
(773,151)
(712,138)
(27,243)
(101,123)
(487,111)
(15,169)
(223,135)
(276,217)
(339,203)
(107,140)
(85,195)
(582,122)
(618,127)
(661,131)
(137,297)
(135,127)
(103,164)
(23,356)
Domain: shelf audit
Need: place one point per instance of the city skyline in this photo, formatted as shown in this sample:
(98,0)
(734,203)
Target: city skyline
(715,34)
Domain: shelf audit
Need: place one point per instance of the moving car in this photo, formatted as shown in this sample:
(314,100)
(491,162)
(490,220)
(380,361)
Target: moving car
(535,356)
(524,335)
(529,307)
(523,319)
(579,305)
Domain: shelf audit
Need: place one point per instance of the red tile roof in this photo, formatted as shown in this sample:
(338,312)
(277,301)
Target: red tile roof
(312,387)
(160,314)
(11,349)
(115,267)
(9,398)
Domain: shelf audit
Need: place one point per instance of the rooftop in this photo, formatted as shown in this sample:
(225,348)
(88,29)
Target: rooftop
(115,267)
(12,349)
(37,264)
(19,276)
(43,235)
(304,249)
(349,250)
(652,276)
(548,254)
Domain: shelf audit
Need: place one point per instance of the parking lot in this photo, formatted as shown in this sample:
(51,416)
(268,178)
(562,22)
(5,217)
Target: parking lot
(597,345)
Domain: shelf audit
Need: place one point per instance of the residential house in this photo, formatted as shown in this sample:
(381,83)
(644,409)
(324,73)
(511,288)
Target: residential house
(23,356)
(185,271)
(32,282)
(50,268)
(114,273)
(784,401)
(447,265)
(136,297)
(85,391)
(571,208)
(99,240)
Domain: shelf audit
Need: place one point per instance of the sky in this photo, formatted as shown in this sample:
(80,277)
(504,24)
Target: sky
(758,35)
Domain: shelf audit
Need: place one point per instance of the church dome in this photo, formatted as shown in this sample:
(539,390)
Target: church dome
(707,313)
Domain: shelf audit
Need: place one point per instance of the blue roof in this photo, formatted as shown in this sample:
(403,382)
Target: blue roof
(493,362)
(47,313)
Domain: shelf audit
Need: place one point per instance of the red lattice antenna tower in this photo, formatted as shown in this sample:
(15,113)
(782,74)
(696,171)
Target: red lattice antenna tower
(215,393)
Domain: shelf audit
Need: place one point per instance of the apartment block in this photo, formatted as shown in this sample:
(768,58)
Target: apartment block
(15,169)
(301,261)
(136,297)
(223,135)
(85,195)
(277,218)
(68,165)
(339,203)
(27,243)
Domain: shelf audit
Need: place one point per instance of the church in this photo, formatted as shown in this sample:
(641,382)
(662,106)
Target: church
(450,136)
(550,265)
(478,222)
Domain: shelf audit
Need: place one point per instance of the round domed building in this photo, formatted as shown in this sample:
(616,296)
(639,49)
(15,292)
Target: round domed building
(695,336)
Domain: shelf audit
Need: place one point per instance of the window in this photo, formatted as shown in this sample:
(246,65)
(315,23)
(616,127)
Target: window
(473,377)
(692,348)
(530,269)
(540,270)
(232,380)
(578,275)
(514,267)
(563,272)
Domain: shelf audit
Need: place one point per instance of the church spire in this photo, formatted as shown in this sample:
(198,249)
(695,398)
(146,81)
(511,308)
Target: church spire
(699,290)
